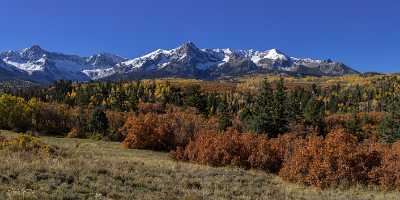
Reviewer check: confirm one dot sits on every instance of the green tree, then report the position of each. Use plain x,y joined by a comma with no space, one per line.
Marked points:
389,128
279,111
194,98
314,115
260,121
294,104
98,123
386,129
353,126
224,122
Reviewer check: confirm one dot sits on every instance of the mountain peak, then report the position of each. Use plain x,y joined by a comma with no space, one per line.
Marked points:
275,54
104,59
277,51
189,49
34,48
33,52
188,45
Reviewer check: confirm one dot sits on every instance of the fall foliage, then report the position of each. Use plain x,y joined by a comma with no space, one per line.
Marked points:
322,132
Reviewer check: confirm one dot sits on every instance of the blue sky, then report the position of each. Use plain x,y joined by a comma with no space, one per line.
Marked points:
365,34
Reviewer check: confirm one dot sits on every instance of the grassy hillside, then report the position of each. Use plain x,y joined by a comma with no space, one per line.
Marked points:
104,170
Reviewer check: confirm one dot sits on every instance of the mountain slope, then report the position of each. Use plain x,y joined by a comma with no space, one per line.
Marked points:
190,61
187,61
44,66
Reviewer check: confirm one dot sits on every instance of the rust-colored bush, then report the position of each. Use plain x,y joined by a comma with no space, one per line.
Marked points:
338,159
163,131
265,155
148,132
387,174
150,108
231,148
287,144
187,124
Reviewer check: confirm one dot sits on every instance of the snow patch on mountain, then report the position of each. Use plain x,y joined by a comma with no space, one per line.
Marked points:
29,67
99,73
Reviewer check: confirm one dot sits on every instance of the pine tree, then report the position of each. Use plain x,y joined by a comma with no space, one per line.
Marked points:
261,120
314,115
279,111
389,128
224,122
98,122
194,98
294,104
353,126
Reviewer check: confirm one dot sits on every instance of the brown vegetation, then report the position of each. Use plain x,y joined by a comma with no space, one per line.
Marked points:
231,148
337,160
28,144
163,131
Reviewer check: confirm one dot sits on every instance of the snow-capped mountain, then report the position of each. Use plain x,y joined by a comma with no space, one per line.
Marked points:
190,61
43,66
187,60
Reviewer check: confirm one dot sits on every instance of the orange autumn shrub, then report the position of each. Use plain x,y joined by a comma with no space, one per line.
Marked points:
150,108
287,144
164,131
372,131
265,155
147,132
387,174
231,148
186,124
337,159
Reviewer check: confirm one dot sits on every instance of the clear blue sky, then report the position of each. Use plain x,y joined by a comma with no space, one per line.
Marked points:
364,34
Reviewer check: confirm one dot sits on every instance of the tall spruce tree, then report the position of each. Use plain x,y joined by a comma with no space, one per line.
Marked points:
261,120
314,115
389,128
279,111
98,122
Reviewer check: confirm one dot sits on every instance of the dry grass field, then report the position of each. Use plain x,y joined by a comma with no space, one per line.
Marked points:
89,169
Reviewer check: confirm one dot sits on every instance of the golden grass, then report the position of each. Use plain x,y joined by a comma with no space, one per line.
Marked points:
104,170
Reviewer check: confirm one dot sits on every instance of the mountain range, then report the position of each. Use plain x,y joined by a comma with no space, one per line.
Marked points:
186,61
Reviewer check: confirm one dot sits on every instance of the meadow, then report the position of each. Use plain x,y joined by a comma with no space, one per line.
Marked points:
88,169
